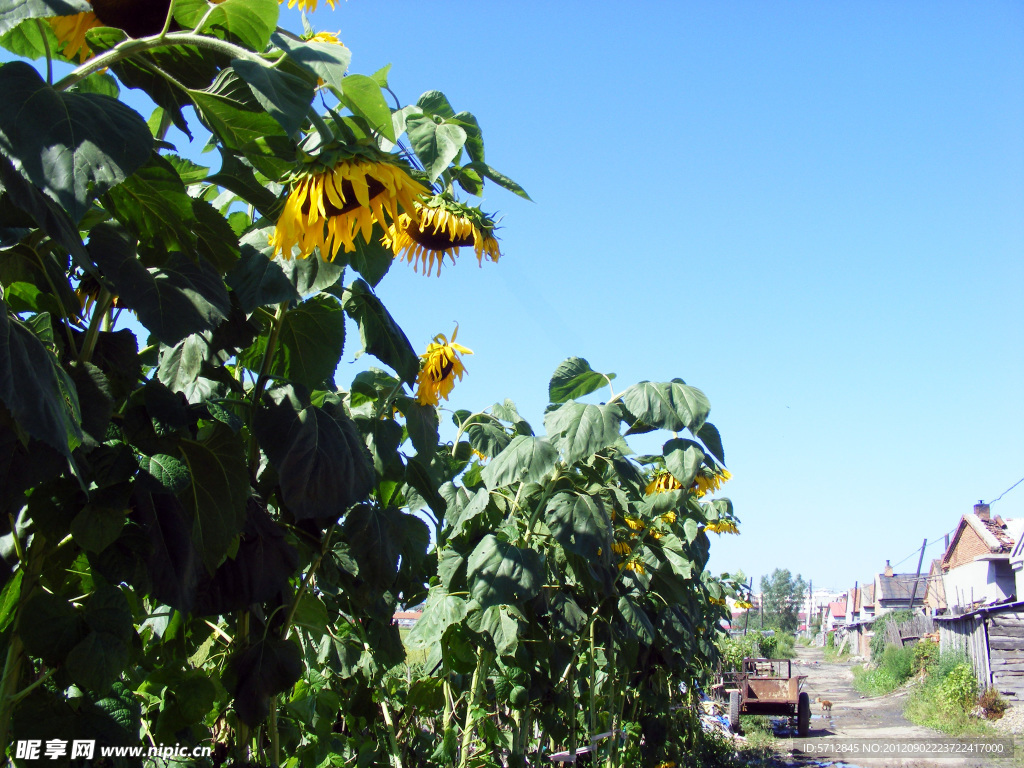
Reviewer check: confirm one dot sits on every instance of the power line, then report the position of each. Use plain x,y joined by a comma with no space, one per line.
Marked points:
936,540
1007,491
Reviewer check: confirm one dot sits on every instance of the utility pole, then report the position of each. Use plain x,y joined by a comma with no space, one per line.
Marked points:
750,594
810,606
913,592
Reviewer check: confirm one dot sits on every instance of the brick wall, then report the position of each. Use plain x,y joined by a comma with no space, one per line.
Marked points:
968,547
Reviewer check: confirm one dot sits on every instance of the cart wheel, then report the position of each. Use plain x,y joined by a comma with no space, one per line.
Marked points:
734,710
803,715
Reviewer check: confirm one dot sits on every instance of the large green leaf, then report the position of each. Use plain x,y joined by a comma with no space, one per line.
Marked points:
382,337
499,626
73,146
153,204
172,301
229,107
257,278
683,459
255,674
463,511
580,430
14,12
436,142
669,405
39,393
217,494
421,424
487,436
441,611
285,97
574,378
498,178
474,136
636,618
525,459
580,524
364,97
502,574
327,61
237,175
250,22
97,661
310,343
50,626
322,465
45,212
708,434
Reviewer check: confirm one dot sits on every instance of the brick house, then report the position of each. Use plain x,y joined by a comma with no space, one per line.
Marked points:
935,594
976,565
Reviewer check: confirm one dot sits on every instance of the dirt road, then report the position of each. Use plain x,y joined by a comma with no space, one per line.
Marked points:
856,717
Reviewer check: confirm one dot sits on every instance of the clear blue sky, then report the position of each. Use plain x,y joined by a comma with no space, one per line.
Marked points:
812,211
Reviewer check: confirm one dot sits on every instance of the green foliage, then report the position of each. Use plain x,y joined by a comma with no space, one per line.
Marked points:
207,534
879,627
892,670
782,595
959,688
945,697
926,653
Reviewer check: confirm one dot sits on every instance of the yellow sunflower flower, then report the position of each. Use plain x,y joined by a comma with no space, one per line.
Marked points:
663,481
441,227
621,548
708,483
716,601
441,365
744,605
635,523
723,526
668,517
326,37
634,565
306,6
327,209
70,32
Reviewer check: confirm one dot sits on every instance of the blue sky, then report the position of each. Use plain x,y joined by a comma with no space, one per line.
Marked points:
812,211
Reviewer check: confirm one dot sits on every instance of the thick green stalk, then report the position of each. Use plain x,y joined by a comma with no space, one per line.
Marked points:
275,737
573,743
593,681
612,679
262,377
483,665
396,755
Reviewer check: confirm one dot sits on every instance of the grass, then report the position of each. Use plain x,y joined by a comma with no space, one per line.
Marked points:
759,747
895,667
929,707
832,654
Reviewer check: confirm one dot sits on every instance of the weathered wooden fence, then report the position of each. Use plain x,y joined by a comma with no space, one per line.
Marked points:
906,631
993,639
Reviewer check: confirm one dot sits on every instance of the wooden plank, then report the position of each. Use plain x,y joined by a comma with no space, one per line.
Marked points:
995,631
1007,653
1007,643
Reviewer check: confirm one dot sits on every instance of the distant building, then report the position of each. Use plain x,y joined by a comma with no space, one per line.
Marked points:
895,591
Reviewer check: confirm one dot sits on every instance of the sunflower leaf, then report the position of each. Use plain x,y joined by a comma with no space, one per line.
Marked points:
683,459
667,405
436,144
580,429
574,378
285,97
525,459
328,61
364,97
73,146
12,14
709,435
381,335
502,574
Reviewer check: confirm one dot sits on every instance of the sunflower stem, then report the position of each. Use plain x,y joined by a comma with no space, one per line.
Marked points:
310,572
106,298
169,19
326,134
49,56
261,379
139,45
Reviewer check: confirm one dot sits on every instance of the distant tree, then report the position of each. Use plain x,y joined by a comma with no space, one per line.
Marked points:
782,595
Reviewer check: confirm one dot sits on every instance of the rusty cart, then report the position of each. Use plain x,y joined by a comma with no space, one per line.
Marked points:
768,687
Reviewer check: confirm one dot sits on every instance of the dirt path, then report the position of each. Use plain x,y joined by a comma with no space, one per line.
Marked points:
854,716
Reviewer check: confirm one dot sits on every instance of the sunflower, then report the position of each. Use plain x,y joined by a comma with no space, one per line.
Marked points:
743,605
328,208
636,565
716,601
306,6
668,517
441,227
635,523
723,526
710,482
441,365
662,482
621,548
326,37
70,32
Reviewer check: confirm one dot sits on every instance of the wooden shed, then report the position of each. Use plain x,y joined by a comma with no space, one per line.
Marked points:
993,638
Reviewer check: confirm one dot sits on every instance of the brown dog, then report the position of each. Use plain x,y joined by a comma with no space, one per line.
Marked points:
826,705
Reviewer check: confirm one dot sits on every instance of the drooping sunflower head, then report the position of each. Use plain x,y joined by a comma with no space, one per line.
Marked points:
306,6
328,207
709,481
635,523
744,605
723,526
663,481
440,227
439,368
70,32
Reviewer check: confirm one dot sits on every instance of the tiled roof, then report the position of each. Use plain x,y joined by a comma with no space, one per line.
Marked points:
837,608
900,586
